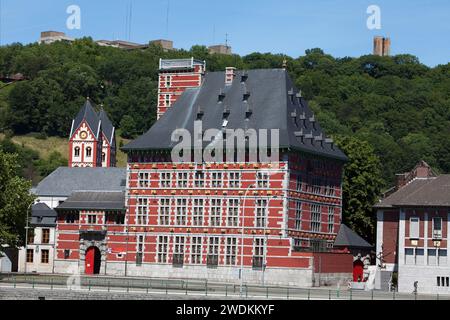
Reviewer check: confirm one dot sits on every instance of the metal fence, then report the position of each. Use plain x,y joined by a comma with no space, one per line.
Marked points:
198,288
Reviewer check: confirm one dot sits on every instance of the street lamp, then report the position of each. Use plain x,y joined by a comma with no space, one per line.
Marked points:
267,240
26,237
242,238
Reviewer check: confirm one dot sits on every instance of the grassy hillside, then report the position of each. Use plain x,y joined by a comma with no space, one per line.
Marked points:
46,146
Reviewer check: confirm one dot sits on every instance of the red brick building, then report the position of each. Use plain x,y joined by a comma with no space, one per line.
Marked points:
211,219
92,141
412,232
175,77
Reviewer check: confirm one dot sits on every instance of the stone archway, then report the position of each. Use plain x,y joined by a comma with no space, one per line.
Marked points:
100,254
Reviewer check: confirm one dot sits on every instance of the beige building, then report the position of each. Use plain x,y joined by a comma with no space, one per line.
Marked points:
220,49
48,37
167,45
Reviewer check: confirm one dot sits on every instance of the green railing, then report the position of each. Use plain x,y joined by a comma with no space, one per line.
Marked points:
198,288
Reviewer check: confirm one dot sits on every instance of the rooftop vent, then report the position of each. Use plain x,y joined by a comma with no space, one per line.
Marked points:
249,112
200,113
246,95
226,111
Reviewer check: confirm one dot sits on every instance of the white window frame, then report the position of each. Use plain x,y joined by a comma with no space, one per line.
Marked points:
162,249
196,250
143,179
216,179
215,212
164,209
233,212
165,179
437,234
316,217
331,216
199,179
142,211
181,212
182,179
298,215
261,213
198,215
414,233
234,179
231,244
262,180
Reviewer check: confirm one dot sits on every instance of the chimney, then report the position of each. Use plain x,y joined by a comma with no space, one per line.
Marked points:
230,74
400,180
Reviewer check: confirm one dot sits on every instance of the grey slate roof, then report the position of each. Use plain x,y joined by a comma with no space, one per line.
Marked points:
95,201
65,181
87,113
43,215
419,193
95,121
350,239
271,91
107,126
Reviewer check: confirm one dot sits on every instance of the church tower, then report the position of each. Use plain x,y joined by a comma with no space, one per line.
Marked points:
92,140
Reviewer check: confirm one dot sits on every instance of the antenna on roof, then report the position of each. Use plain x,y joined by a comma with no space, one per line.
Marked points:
167,19
131,20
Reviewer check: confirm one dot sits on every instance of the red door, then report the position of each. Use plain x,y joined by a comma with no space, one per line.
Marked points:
90,261
358,271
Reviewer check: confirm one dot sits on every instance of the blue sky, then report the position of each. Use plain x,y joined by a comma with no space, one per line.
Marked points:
419,27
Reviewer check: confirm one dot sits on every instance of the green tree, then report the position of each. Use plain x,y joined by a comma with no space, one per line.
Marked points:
361,186
15,200
128,127
54,161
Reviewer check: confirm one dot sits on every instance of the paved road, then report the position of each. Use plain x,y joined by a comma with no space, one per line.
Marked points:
192,289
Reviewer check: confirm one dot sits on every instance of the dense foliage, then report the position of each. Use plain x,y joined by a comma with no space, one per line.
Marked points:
29,164
397,109
15,201
361,186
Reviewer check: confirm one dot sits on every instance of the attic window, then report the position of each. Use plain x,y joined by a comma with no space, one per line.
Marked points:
313,121
291,95
299,97
246,95
221,96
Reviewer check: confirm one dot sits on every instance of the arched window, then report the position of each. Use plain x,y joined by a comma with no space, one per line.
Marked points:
77,152
88,152
103,157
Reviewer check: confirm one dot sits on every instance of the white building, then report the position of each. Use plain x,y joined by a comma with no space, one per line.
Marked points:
39,254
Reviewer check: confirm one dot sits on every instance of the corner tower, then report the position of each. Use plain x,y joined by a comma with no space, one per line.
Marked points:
175,76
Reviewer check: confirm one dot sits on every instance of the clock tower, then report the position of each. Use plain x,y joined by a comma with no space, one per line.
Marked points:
92,139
